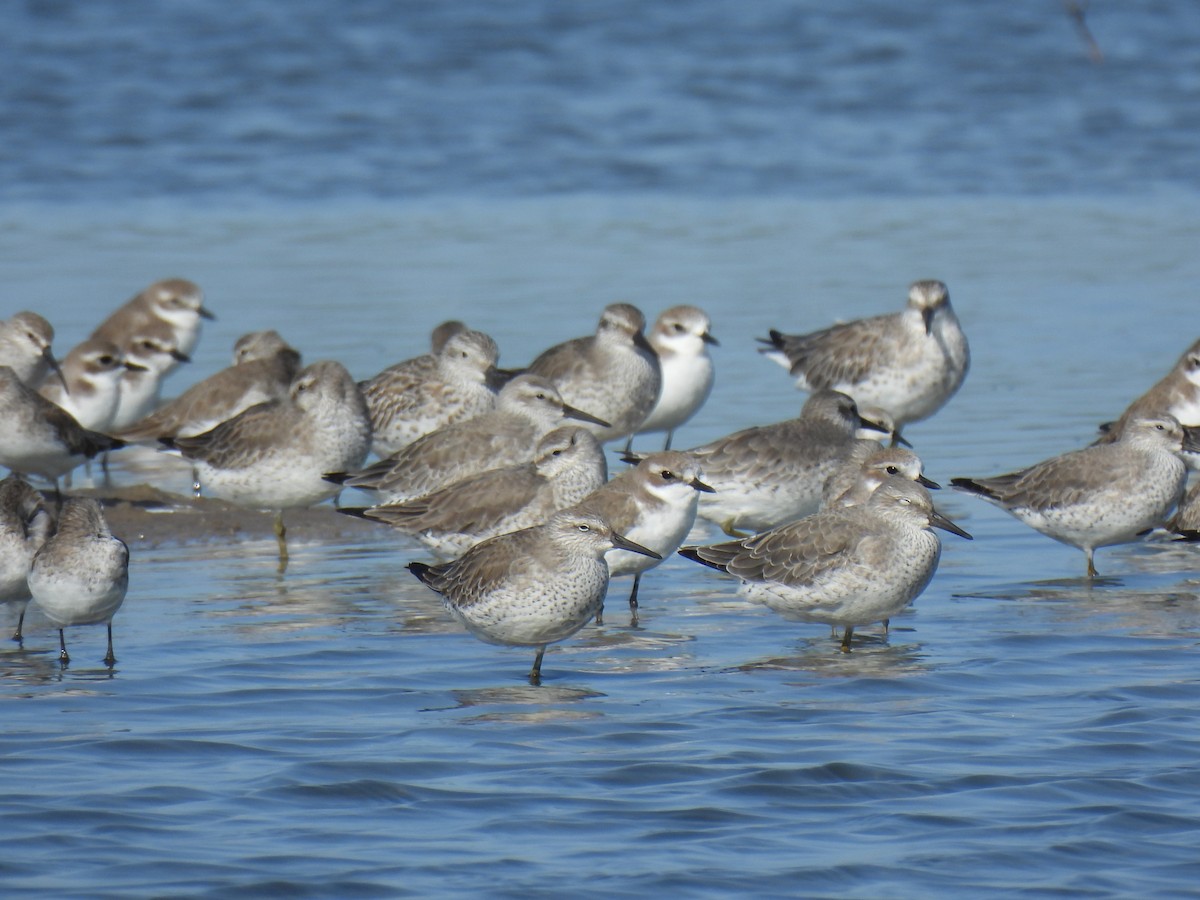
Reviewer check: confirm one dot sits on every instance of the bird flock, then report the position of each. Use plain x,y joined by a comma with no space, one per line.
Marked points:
502,475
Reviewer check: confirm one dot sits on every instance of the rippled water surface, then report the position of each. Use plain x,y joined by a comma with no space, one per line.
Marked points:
332,732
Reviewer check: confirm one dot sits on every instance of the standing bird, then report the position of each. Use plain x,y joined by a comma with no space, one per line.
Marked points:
681,338
907,363
176,303
91,387
532,587
25,348
653,504
846,566
274,455
527,408
408,400
39,437
263,370
569,465
769,474
81,574
1102,495
25,523
614,374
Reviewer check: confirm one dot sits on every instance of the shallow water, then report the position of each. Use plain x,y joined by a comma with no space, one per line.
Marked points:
333,732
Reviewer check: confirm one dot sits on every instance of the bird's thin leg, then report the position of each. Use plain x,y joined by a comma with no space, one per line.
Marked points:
281,539
63,656
109,659
535,674
846,635
1092,573
17,636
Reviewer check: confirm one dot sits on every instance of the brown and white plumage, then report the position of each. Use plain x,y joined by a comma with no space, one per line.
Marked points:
654,504
845,566
908,363
91,386
1101,495
527,408
264,368
866,467
1175,394
174,302
568,466
411,399
532,587
680,337
614,374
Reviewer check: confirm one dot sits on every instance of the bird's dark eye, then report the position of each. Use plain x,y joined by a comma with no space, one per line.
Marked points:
556,453
1160,427
668,475
679,328
584,528
106,360
893,470
541,396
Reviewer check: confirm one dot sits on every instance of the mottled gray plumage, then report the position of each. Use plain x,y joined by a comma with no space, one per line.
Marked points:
81,573
1101,495
25,348
411,399
569,465
175,302
769,474
527,408
845,566
1176,394
908,363
25,523
613,374
532,587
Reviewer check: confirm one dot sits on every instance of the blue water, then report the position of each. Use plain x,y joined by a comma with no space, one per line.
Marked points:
353,175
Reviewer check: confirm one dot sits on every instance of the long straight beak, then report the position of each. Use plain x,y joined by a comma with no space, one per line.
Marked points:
620,542
206,313
927,317
701,486
929,483
937,520
571,412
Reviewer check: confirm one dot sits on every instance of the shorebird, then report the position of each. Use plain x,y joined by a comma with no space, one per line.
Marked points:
91,386
908,363
765,475
569,465
527,408
263,370
274,455
39,437
681,339
614,374
532,587
1102,495
176,303
25,347
25,523
846,566
653,504
410,399
81,574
